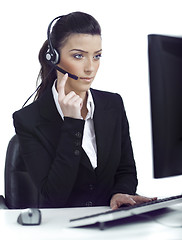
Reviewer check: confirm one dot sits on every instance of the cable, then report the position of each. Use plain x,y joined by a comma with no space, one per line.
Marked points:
37,87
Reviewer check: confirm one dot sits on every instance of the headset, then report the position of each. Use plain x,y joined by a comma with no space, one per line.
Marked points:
53,58
52,55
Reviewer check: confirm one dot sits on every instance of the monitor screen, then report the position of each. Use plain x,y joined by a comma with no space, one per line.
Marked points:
165,78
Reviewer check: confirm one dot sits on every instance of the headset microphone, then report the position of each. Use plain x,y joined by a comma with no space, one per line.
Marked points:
62,70
52,55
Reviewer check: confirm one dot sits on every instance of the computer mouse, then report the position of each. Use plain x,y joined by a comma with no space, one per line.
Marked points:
30,216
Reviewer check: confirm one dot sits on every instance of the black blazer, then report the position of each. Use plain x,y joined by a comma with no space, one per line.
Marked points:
59,167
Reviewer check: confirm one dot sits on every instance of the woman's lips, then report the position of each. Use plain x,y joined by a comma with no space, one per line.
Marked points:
87,79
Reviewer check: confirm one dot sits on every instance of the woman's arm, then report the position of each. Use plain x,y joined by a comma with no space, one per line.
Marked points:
53,171
126,175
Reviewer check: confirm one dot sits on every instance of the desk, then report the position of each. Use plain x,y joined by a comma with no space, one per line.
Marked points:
54,226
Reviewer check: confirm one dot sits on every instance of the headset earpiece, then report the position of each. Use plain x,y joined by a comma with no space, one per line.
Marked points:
52,56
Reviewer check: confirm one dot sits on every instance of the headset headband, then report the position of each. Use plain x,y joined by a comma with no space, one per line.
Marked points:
51,48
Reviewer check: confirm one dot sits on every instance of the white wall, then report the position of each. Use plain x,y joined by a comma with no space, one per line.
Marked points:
124,69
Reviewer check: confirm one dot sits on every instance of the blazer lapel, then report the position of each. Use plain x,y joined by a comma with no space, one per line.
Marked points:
104,121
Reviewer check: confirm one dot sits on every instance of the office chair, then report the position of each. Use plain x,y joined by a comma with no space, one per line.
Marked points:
19,189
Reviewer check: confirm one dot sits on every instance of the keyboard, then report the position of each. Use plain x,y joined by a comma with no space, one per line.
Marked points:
126,211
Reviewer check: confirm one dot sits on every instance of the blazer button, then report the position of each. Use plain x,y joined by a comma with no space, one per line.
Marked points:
78,134
89,204
77,152
77,143
91,187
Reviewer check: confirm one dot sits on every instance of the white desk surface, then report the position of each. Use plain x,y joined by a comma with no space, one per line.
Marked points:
54,226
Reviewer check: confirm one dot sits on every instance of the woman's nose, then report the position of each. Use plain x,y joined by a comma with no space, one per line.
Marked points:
89,65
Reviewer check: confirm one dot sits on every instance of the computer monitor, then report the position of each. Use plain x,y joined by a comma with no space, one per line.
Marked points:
165,78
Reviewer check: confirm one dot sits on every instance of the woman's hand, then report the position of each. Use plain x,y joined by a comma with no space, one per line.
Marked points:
71,104
119,199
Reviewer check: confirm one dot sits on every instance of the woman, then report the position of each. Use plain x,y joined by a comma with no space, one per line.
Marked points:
75,140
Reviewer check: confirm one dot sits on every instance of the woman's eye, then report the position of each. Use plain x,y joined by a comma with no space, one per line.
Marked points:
98,56
78,56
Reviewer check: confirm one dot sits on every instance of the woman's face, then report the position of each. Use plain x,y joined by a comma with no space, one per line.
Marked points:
81,56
